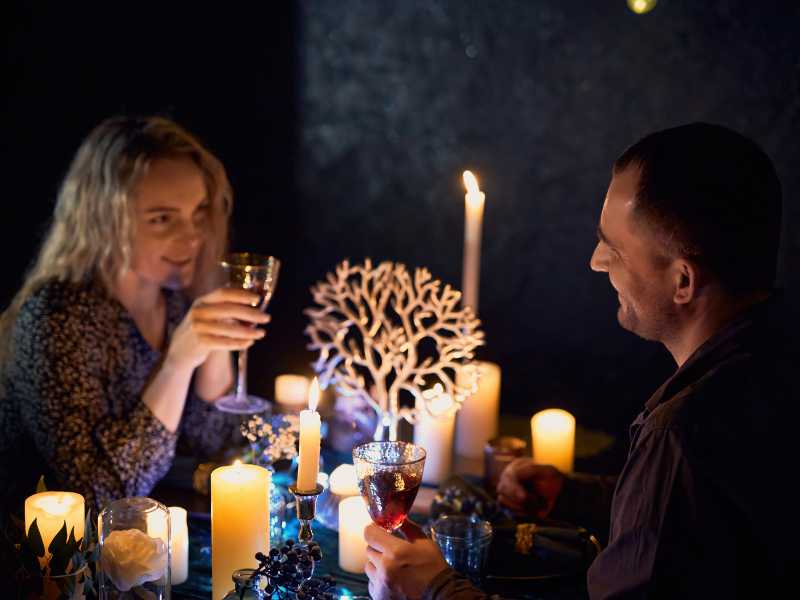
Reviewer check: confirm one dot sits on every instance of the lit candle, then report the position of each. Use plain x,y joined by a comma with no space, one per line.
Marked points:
179,559
239,521
553,435
343,481
434,432
291,391
477,420
473,219
353,518
51,510
309,442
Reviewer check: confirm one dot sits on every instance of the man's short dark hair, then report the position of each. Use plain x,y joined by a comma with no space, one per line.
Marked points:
713,196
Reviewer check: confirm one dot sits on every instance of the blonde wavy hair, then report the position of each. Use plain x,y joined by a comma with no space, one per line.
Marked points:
92,228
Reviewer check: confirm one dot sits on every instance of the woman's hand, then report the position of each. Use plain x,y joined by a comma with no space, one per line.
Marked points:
221,320
530,488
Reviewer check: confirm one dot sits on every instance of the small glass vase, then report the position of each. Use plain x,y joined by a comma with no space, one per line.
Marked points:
134,542
246,587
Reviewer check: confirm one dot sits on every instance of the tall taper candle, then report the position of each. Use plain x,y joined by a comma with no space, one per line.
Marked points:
310,425
473,219
239,521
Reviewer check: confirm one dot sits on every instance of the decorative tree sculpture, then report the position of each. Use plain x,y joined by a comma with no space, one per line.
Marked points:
385,336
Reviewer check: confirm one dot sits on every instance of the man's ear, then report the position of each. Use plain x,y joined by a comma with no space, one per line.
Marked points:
686,277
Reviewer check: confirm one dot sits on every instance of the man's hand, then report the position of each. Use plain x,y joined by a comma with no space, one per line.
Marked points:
526,487
400,569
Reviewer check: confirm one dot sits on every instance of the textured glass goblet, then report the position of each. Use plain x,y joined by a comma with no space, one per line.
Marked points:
255,273
389,476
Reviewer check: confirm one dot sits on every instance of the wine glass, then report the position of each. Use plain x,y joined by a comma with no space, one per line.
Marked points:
255,273
389,476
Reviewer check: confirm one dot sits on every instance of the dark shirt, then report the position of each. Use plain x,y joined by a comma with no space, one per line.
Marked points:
703,507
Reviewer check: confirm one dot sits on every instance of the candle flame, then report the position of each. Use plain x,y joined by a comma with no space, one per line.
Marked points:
471,183
237,463
313,395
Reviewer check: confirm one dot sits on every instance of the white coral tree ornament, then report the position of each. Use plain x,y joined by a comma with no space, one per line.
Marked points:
384,336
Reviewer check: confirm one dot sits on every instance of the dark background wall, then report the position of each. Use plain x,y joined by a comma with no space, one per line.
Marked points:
345,126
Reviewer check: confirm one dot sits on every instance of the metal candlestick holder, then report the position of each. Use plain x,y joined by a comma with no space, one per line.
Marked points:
306,505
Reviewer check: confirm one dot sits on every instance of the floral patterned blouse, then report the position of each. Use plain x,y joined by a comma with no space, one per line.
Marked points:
72,408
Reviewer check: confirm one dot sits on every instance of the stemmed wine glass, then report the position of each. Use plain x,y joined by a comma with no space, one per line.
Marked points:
255,273
389,476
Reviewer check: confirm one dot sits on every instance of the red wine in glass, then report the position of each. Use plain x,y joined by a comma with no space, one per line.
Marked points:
389,476
389,495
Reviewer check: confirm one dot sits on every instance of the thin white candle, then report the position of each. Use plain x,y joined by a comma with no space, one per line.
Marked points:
353,518
477,421
434,431
239,521
553,436
291,390
473,220
179,565
51,510
310,425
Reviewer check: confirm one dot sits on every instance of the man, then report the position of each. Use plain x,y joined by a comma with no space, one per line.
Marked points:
688,237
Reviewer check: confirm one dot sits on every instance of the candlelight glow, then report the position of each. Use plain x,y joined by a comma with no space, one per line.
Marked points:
237,463
439,403
471,182
313,395
641,6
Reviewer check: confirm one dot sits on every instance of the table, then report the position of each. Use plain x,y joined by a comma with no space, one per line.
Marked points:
198,585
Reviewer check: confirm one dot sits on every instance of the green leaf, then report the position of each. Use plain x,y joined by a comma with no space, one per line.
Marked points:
61,552
28,559
88,531
41,487
35,539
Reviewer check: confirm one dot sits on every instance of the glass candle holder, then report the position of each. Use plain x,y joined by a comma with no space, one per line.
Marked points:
497,455
134,540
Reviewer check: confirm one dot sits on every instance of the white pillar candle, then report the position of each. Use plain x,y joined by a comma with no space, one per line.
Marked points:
291,390
239,521
473,220
553,436
309,442
477,420
344,481
179,559
51,510
353,518
434,431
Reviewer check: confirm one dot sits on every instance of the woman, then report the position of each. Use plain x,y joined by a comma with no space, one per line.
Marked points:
101,347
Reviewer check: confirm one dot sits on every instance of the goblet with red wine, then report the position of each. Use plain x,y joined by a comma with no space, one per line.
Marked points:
389,476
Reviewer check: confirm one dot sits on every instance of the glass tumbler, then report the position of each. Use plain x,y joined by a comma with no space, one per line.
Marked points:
464,542
134,541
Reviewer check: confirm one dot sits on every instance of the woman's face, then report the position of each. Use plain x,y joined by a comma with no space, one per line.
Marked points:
171,210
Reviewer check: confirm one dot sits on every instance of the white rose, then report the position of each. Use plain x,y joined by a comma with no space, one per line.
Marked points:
130,558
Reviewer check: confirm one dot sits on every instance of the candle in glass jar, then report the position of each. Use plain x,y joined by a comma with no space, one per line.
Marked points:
239,521
553,436
477,420
473,220
434,431
353,518
310,425
51,510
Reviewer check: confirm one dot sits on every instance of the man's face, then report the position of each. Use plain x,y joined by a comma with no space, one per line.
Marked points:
171,212
635,262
